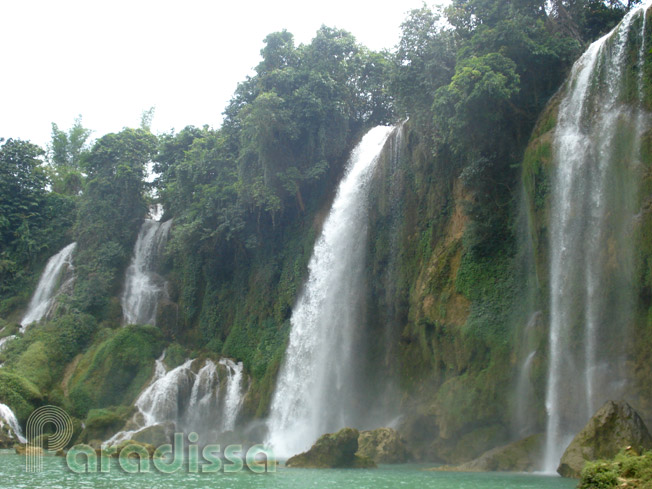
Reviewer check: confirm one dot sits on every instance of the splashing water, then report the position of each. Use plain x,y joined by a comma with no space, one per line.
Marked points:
596,150
315,387
144,288
55,278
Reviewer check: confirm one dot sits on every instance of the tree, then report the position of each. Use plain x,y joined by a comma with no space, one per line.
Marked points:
33,222
66,148
111,210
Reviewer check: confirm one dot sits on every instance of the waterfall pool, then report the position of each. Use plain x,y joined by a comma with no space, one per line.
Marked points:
55,474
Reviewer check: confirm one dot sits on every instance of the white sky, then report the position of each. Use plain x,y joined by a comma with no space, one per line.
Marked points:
111,60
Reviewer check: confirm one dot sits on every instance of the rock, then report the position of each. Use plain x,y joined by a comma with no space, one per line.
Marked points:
336,450
23,449
615,426
471,445
7,440
421,433
520,456
114,451
383,446
157,435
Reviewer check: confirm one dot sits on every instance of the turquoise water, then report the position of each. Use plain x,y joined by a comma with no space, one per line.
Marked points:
56,475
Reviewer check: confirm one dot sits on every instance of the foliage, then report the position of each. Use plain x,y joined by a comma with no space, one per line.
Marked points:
21,395
114,369
111,210
67,148
628,468
46,348
34,223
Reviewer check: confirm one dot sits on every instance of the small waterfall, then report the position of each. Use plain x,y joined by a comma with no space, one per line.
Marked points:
5,340
233,397
596,153
8,420
198,402
144,288
315,389
56,277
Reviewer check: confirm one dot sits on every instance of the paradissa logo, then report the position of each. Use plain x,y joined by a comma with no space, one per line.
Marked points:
169,459
43,416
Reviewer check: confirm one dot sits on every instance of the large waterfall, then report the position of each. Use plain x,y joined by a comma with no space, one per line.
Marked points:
593,196
315,389
205,400
56,277
143,287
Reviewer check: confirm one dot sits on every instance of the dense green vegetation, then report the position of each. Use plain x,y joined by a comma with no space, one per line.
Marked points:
628,469
248,200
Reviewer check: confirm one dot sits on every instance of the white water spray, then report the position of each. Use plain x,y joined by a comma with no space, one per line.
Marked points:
589,245
56,276
144,288
315,385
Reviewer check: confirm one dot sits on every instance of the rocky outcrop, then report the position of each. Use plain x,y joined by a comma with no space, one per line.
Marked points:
614,427
337,450
383,446
157,435
520,456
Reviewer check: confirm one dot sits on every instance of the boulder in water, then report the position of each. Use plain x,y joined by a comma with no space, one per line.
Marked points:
26,449
337,450
614,427
383,446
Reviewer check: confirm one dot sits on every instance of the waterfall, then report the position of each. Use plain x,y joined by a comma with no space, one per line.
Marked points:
8,420
233,397
5,340
144,288
315,389
596,152
190,399
56,277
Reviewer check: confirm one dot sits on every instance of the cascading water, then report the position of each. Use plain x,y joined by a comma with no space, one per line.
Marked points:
56,277
198,402
596,152
144,288
315,388
233,393
8,420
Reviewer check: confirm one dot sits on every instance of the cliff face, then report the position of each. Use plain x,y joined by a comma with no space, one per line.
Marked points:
443,320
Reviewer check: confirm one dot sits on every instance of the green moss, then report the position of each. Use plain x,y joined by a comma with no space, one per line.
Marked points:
115,369
100,424
175,355
21,395
33,364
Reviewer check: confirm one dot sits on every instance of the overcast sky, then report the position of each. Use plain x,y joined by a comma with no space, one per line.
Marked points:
111,60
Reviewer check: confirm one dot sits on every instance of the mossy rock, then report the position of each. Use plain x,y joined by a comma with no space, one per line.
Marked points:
115,369
129,445
21,395
337,450
383,446
614,427
156,435
101,424
520,456
473,444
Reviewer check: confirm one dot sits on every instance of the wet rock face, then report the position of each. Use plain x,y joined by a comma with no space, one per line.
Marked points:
337,450
383,446
615,426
